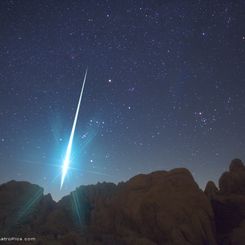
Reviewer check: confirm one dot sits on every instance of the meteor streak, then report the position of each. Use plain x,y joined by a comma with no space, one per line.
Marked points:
66,162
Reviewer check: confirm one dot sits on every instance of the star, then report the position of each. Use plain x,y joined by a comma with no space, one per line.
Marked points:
132,89
84,135
152,97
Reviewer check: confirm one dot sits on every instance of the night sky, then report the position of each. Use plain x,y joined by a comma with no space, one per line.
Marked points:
165,89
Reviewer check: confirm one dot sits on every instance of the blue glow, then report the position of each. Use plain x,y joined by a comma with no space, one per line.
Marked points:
66,162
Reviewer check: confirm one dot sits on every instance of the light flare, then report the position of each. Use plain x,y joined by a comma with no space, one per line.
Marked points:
66,162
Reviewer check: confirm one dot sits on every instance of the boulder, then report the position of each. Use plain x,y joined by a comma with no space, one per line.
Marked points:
161,207
229,204
237,237
18,206
164,207
233,181
211,190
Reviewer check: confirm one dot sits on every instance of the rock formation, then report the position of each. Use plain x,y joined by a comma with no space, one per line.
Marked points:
163,207
159,208
229,204
211,190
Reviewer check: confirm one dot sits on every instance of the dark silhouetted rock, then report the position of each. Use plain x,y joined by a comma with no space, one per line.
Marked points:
236,165
18,205
233,182
229,204
162,207
237,237
211,190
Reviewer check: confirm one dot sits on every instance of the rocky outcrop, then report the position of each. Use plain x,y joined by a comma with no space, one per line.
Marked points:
229,204
158,208
237,236
233,181
23,208
211,190
163,207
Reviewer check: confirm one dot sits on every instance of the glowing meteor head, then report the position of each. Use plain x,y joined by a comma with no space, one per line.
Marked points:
66,162
64,171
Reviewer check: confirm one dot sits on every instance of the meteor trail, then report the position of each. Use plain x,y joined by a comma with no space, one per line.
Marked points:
69,146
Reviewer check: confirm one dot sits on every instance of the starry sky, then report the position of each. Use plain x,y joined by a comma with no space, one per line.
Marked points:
165,89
